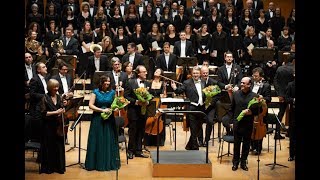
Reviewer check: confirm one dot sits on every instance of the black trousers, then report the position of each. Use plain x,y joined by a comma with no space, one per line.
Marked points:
195,123
292,133
245,138
136,134
209,119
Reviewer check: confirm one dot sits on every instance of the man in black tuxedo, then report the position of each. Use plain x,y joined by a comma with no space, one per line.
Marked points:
29,73
211,110
193,90
263,89
66,87
183,48
75,7
167,61
38,88
117,77
70,44
231,75
243,128
97,62
137,121
238,6
132,56
65,80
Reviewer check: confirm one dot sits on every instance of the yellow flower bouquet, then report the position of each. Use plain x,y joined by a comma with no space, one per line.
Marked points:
210,92
118,103
144,96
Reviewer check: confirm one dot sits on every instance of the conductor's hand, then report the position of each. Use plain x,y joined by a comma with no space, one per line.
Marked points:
173,85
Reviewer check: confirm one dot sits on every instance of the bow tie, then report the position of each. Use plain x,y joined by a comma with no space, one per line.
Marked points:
198,81
141,82
174,10
229,66
257,83
121,4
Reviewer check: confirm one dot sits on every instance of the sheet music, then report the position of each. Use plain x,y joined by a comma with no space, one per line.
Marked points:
140,48
120,48
203,46
155,45
84,49
171,48
168,100
250,47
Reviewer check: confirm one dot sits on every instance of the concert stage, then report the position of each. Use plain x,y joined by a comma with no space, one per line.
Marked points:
191,163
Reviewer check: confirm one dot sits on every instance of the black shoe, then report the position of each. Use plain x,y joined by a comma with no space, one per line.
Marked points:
244,167
205,144
278,136
141,155
234,167
290,158
130,155
201,144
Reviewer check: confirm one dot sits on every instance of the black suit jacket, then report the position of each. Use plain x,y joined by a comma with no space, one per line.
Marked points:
161,62
37,92
189,88
123,77
223,75
134,111
238,7
69,82
137,59
265,91
105,65
283,76
72,48
188,50
240,102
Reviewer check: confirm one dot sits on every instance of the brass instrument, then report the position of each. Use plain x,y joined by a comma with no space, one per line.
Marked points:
57,43
32,46
92,46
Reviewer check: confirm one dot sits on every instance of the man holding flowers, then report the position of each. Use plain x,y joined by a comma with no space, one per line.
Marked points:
136,91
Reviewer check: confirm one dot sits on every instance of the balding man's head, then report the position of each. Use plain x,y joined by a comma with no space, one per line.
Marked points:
245,84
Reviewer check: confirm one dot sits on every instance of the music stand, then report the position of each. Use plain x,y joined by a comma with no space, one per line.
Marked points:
262,54
170,75
151,112
275,146
96,77
77,102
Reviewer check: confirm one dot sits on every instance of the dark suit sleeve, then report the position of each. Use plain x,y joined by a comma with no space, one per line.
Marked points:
128,90
267,93
34,89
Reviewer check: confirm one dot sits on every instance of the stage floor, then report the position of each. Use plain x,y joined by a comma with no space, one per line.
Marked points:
141,168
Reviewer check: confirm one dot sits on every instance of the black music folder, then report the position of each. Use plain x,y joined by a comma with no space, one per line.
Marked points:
187,61
262,54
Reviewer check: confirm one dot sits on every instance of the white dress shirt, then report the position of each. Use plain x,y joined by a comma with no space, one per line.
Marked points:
183,48
229,67
97,63
64,83
29,71
166,57
131,58
44,83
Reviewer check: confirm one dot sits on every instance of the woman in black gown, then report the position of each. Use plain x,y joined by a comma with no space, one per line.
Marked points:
52,151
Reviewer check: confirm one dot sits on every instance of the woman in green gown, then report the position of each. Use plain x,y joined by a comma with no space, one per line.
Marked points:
103,148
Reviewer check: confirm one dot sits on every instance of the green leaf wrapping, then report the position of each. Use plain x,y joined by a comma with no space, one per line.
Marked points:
253,101
118,102
210,92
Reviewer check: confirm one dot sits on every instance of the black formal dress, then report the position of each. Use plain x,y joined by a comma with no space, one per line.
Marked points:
52,151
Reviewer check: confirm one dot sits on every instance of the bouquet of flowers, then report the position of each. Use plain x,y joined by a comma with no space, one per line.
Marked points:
209,92
143,95
118,103
253,104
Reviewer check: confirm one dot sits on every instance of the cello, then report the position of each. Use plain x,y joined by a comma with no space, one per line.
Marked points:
259,127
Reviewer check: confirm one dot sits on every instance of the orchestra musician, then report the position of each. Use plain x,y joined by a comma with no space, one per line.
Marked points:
137,121
66,82
211,110
97,62
242,129
263,89
229,74
70,44
166,60
193,90
132,56
117,77
52,151
183,48
157,90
